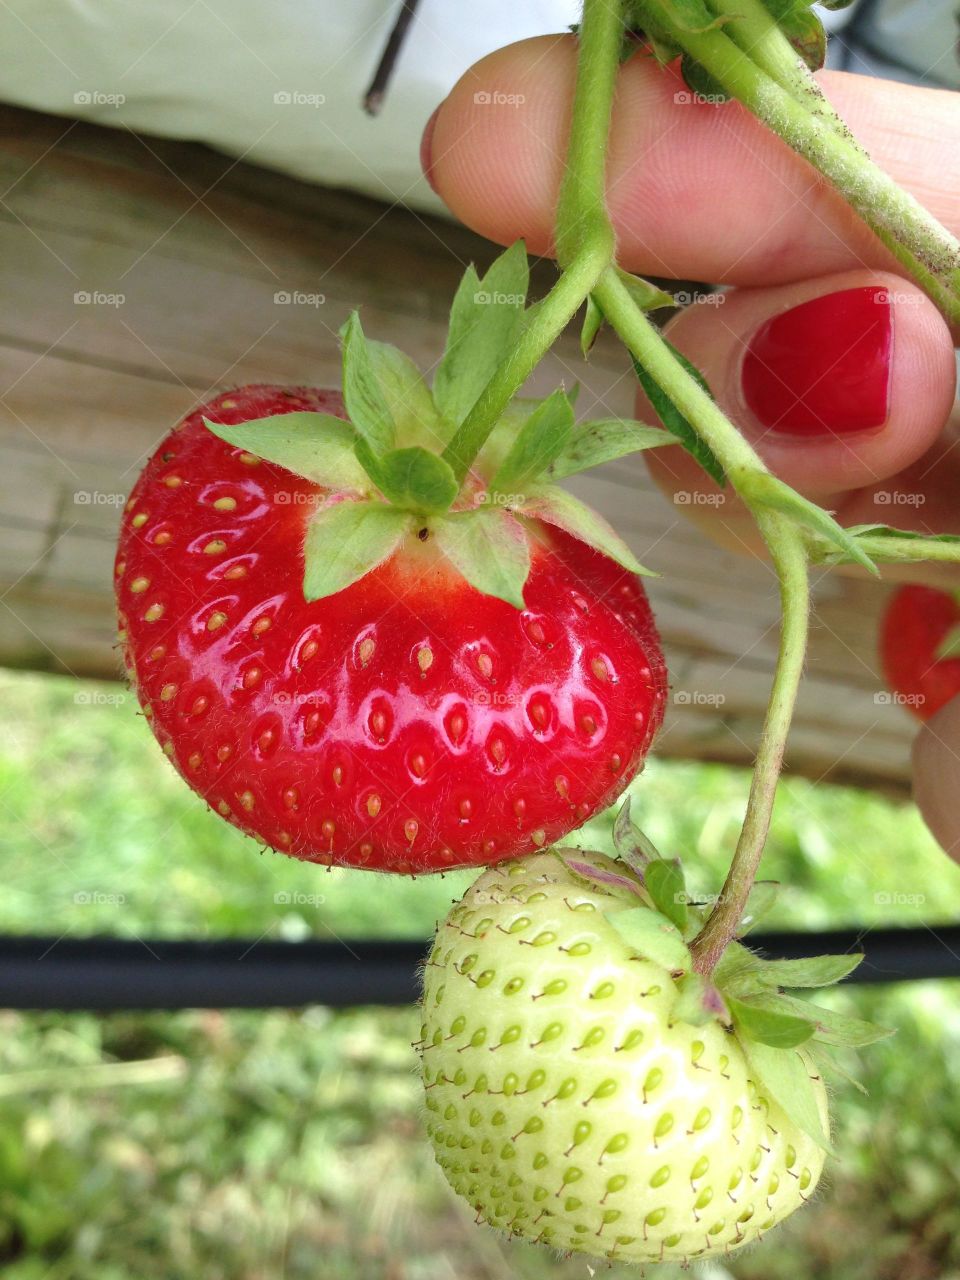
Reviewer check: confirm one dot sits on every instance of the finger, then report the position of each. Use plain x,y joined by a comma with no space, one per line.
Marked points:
839,383
936,776
496,151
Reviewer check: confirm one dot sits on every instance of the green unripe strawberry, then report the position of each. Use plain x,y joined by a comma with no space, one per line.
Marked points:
570,1106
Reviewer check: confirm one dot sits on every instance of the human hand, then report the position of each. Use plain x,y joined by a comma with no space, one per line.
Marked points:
839,371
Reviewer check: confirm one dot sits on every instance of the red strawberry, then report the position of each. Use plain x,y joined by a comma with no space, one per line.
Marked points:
915,632
407,722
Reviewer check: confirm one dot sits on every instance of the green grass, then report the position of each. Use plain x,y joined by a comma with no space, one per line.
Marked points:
100,835
288,1145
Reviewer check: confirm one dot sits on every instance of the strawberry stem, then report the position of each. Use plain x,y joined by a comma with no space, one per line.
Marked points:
585,240
788,551
789,556
645,343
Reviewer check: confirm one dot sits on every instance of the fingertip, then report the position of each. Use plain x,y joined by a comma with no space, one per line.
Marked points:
498,141
426,147
936,776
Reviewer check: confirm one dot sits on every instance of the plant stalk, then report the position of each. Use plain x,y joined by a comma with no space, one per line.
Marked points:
910,549
584,235
789,557
543,324
788,552
643,341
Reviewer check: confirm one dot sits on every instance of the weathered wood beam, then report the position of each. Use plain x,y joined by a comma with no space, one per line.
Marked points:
139,275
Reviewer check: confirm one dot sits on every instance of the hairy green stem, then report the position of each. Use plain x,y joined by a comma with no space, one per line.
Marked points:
790,560
585,240
643,341
758,34
866,188
788,551
582,217
911,549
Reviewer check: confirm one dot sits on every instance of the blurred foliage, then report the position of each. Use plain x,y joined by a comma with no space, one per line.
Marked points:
288,1146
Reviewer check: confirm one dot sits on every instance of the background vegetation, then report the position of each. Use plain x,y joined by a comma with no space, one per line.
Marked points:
288,1146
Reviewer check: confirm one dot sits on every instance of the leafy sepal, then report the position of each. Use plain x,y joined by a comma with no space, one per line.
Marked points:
345,540
632,845
490,548
557,507
653,937
317,446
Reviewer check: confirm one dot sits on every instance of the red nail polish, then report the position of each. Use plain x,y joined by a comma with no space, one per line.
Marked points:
823,368
426,148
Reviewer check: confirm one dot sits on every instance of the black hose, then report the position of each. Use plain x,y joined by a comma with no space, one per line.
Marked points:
104,973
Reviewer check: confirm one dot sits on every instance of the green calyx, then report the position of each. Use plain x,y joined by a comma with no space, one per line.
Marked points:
756,999
665,22
386,470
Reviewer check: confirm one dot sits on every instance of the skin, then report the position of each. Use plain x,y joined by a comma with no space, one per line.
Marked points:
672,166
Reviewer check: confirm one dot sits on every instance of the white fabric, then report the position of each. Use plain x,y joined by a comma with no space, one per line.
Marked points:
217,71
279,82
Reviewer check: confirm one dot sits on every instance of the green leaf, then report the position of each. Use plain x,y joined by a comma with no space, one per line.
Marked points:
805,32
539,441
760,1020
317,446
736,971
762,896
668,889
603,440
345,540
949,646
484,320
635,848
644,295
505,431
490,548
675,422
362,393
785,1076
697,1002
407,397
835,1028
763,489
555,506
412,478
826,1061
817,971
592,323
652,936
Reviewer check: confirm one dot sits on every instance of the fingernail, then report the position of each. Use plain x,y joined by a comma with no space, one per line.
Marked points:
823,368
426,148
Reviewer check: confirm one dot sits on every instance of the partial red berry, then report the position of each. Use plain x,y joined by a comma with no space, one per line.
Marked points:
917,623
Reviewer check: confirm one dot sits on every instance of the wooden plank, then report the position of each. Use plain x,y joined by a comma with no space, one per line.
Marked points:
183,254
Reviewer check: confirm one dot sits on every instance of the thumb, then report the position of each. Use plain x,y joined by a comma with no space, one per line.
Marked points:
936,776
